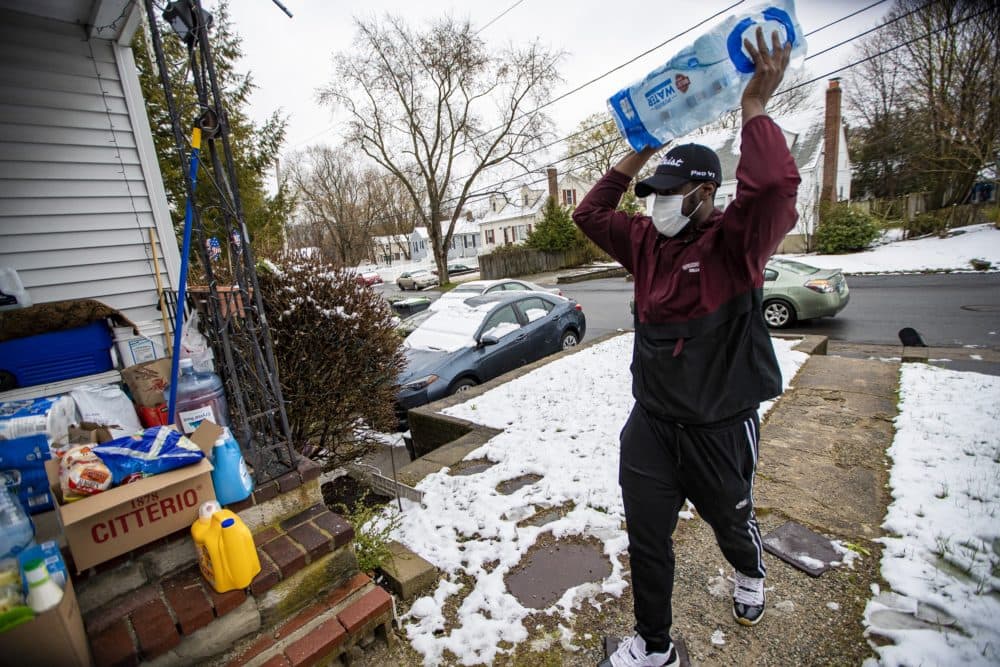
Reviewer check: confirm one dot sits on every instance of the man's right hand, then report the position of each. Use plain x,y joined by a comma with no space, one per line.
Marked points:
769,70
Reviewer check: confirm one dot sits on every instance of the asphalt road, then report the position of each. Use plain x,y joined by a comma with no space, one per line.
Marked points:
948,310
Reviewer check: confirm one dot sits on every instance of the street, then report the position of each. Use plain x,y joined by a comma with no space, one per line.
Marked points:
949,310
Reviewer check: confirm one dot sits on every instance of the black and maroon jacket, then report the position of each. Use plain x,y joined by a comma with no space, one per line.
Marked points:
702,350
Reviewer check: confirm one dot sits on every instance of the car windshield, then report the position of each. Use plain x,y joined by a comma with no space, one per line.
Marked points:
797,267
475,288
449,330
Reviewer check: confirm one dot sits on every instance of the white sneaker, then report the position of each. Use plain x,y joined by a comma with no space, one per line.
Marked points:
632,653
748,599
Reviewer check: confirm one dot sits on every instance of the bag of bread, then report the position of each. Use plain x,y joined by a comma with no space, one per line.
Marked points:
82,473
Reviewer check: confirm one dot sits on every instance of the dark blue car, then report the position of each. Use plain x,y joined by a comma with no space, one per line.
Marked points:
469,342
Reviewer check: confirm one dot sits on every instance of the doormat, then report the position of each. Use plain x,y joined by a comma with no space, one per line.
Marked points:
802,548
611,645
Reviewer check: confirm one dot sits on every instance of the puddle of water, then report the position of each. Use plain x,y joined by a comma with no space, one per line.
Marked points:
551,569
509,486
473,467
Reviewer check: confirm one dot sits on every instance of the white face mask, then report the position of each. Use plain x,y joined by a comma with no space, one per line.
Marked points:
667,216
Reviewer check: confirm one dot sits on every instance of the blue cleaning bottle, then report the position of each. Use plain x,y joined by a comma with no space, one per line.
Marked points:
702,81
230,476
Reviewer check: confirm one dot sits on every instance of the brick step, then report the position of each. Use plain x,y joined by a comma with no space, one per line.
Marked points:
156,617
341,623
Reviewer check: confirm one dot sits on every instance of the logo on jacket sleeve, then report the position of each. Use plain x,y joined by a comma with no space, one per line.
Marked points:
691,267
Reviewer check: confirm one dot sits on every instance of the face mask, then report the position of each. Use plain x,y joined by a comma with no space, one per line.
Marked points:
667,216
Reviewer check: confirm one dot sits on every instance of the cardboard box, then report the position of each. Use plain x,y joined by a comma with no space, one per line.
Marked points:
56,638
88,433
147,381
126,517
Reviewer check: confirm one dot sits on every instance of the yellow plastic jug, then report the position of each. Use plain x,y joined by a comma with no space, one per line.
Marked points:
227,555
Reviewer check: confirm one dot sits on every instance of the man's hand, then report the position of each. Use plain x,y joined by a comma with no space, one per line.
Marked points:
769,70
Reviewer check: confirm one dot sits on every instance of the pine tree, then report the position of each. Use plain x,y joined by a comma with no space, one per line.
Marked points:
556,230
255,147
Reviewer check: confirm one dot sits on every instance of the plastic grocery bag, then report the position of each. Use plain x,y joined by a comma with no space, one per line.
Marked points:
702,81
107,405
151,452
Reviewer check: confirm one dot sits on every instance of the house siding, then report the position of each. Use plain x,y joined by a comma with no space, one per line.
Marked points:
80,187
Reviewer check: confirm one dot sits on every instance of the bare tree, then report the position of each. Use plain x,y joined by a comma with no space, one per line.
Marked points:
595,147
792,97
436,108
944,87
337,200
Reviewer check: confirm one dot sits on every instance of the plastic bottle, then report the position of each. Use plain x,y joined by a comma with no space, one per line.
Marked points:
703,81
200,396
17,533
230,475
227,554
43,592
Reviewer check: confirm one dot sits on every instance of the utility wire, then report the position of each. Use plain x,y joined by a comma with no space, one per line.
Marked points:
499,16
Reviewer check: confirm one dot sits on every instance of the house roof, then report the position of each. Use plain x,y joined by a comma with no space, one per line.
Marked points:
106,19
804,130
514,208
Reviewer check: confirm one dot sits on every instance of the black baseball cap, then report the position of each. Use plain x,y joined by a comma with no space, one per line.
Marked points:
690,162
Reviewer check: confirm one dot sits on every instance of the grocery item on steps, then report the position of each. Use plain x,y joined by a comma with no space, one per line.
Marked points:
227,554
230,475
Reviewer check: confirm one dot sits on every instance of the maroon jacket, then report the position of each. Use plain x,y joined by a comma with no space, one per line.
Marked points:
702,350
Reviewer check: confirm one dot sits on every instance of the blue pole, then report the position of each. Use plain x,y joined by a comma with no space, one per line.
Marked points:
182,287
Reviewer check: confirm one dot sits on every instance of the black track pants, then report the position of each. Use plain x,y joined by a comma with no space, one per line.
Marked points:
664,463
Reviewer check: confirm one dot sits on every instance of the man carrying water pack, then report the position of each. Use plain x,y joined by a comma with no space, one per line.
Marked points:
702,360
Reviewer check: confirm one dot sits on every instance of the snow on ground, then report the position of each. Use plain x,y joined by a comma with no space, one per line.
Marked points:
942,558
930,254
560,422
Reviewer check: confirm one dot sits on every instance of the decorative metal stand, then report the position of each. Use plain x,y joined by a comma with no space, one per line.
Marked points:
236,326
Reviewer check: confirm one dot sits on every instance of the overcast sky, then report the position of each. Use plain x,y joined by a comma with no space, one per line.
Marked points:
291,58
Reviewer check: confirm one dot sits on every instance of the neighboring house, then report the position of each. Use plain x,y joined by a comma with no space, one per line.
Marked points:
80,188
806,138
508,221
465,240
390,248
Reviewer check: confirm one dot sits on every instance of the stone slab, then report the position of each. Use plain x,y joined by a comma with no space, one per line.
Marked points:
416,471
282,506
213,639
844,374
102,588
801,548
295,592
407,574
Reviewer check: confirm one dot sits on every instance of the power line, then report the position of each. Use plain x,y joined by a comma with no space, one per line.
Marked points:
499,16
844,18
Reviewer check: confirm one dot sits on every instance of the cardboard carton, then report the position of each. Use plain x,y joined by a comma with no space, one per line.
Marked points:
88,433
56,638
147,381
126,517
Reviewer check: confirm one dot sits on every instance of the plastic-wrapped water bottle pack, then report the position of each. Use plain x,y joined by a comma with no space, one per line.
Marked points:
704,80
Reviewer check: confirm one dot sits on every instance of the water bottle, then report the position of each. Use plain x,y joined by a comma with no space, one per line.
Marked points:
200,396
230,475
17,533
704,80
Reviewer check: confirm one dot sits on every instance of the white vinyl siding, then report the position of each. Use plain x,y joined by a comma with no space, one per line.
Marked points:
79,184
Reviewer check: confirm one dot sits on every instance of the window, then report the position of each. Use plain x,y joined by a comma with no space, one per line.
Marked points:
770,275
569,197
489,237
514,287
535,308
501,323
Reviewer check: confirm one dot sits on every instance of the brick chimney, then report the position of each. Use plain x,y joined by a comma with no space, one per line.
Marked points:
553,183
831,142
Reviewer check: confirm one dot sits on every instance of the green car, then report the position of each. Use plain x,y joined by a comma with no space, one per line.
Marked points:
795,291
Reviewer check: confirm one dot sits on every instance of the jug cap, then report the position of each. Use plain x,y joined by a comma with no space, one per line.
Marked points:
207,509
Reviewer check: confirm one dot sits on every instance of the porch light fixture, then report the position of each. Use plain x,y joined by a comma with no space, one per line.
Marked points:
180,15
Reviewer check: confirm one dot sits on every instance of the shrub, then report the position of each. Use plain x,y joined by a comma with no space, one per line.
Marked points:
373,526
338,357
555,231
843,229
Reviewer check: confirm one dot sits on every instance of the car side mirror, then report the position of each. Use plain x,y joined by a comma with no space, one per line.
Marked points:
488,340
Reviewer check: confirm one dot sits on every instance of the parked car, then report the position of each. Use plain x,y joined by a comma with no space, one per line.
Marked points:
409,324
419,279
368,278
480,338
475,287
794,291
458,269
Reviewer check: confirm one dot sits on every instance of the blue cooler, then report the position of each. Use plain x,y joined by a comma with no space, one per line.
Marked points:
59,355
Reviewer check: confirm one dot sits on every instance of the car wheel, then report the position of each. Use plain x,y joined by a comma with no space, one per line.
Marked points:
569,339
463,385
778,314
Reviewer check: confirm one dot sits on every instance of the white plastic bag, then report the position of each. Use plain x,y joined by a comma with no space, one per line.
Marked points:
194,346
107,405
